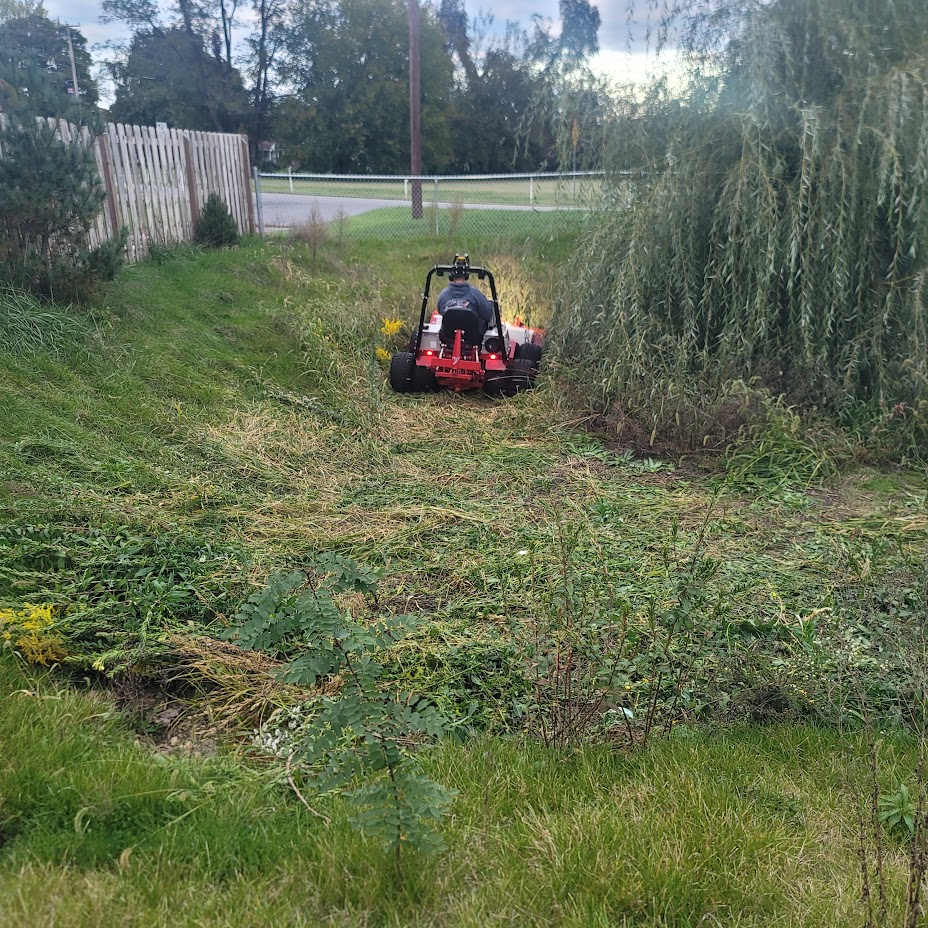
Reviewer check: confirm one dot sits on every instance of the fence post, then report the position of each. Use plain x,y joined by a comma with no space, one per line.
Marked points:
258,201
531,191
246,183
105,160
290,175
435,202
191,185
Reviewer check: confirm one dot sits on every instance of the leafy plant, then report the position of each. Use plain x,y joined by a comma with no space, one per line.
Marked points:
599,652
118,591
216,227
574,648
361,729
897,811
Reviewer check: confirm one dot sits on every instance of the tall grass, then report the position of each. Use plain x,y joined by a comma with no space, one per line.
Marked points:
779,234
28,326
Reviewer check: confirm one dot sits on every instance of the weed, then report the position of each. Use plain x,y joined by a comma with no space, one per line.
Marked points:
340,224
455,215
362,731
30,629
598,651
313,231
574,647
28,326
897,811
115,591
778,450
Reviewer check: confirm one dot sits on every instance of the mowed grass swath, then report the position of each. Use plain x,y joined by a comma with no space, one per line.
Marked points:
224,417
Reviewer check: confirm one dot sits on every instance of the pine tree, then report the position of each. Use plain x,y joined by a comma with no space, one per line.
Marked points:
216,228
50,195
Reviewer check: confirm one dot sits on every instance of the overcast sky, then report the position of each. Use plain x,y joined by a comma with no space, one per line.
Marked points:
613,37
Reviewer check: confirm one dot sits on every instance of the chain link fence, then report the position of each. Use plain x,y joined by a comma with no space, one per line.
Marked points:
452,207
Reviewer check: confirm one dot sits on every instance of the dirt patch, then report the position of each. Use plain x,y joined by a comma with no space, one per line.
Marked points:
213,692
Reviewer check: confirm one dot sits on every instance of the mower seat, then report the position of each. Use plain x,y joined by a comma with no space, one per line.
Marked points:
470,324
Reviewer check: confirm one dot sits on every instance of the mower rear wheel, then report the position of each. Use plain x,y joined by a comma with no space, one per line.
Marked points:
529,352
402,368
520,375
494,383
423,379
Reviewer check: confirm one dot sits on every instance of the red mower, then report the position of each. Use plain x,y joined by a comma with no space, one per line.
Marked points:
458,352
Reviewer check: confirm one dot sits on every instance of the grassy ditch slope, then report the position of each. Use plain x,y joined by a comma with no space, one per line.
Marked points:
719,656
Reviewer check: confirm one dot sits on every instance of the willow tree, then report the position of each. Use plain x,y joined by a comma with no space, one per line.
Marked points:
778,237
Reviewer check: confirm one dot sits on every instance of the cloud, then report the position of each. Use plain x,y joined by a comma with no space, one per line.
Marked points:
617,33
86,15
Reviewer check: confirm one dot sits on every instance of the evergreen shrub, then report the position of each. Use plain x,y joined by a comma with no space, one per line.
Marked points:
216,227
50,195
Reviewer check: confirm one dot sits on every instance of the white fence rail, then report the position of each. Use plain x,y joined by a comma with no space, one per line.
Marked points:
157,181
436,206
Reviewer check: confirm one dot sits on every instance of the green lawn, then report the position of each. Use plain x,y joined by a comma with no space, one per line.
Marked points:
221,415
741,827
548,192
465,228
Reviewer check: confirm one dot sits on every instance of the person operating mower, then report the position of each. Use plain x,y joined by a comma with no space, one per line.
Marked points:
459,294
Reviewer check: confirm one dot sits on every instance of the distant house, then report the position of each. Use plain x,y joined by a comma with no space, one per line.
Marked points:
269,152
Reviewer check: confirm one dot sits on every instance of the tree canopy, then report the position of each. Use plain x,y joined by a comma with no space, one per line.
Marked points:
329,79
350,113
10,9
169,77
35,66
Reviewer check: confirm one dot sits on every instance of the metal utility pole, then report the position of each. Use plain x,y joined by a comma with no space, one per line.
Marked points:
575,137
77,90
415,124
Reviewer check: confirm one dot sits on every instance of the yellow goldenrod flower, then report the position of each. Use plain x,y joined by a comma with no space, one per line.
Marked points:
29,629
390,327
382,354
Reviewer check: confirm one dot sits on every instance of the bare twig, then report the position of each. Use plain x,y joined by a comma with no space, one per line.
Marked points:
300,796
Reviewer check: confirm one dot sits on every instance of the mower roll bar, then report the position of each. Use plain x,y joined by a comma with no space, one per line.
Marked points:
441,270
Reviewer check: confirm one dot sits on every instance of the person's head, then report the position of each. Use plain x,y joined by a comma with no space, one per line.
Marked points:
459,269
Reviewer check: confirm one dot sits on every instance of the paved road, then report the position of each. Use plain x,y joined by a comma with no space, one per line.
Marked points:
284,210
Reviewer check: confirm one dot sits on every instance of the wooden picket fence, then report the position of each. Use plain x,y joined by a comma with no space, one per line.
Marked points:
157,181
